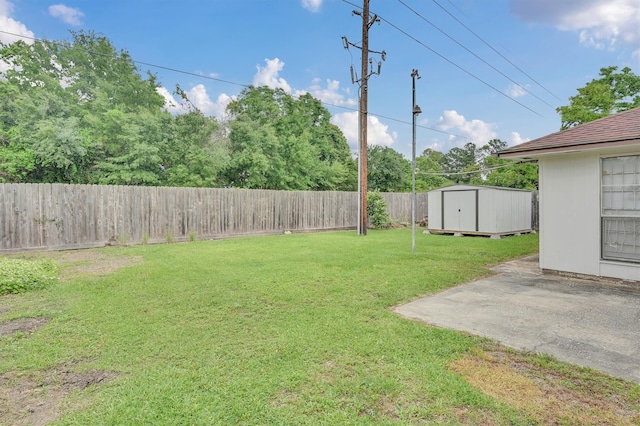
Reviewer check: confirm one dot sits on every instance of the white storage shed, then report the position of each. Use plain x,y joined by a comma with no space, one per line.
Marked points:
479,210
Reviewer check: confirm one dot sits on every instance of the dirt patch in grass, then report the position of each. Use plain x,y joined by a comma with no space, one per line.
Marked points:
39,400
22,325
550,396
85,263
93,263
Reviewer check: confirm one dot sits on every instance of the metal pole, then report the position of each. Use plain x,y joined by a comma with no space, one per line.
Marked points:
359,227
415,110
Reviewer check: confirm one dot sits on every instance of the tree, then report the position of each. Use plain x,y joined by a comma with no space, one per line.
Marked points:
460,160
77,112
502,172
388,170
280,142
429,171
80,112
194,152
518,175
612,92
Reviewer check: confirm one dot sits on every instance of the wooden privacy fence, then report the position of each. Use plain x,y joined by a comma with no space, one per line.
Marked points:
60,216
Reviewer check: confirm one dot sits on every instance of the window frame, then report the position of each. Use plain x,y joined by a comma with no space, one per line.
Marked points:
622,215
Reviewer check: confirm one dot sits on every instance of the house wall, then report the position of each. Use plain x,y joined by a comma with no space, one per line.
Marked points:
570,215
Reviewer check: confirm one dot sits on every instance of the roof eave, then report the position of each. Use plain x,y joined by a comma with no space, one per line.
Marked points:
528,152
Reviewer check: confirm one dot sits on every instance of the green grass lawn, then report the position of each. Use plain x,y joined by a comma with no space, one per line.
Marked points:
288,329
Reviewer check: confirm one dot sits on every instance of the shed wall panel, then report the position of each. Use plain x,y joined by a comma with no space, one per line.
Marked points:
434,209
487,210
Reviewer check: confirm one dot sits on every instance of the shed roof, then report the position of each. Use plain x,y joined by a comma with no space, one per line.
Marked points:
464,187
619,129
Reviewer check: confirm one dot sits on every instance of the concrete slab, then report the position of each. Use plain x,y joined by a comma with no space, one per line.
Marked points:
592,323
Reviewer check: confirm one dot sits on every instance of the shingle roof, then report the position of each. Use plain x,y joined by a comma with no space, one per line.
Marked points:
619,129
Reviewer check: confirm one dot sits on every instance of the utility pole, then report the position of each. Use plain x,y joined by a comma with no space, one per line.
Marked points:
366,71
415,110
362,116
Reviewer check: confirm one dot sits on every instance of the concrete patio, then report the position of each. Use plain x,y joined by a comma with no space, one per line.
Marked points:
592,323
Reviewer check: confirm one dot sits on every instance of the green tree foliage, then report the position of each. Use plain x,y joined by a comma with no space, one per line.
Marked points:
518,175
80,112
194,151
612,92
429,171
377,211
479,166
501,172
387,170
461,161
280,142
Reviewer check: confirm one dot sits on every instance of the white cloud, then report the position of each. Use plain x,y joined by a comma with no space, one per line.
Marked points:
10,25
170,103
69,15
516,90
348,123
516,139
476,131
312,5
377,132
269,75
331,94
600,23
199,98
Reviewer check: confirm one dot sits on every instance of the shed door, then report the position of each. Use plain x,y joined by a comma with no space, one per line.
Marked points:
459,210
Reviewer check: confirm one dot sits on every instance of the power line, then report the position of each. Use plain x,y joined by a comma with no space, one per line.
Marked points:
469,172
495,50
474,54
227,82
451,62
457,8
93,52
397,120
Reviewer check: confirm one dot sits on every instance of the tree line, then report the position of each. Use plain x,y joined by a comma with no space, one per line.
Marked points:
81,112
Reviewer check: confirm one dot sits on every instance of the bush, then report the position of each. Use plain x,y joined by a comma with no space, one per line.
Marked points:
377,211
20,275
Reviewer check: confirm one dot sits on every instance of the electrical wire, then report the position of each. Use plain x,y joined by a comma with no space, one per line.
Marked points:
449,60
474,54
452,173
492,48
148,64
397,120
231,82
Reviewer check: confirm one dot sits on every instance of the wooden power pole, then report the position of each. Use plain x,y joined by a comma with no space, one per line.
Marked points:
365,73
362,117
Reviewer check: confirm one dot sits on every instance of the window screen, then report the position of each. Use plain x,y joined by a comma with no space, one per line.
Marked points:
621,208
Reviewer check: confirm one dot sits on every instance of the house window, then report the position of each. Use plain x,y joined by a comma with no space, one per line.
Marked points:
620,211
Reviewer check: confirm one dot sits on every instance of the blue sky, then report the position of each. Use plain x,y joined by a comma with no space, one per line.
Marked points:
560,45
